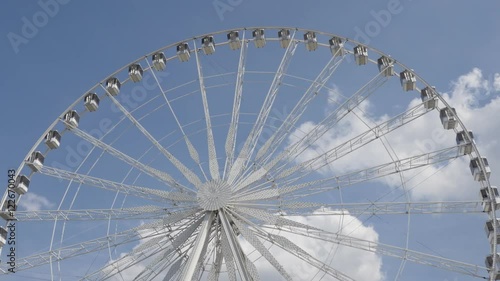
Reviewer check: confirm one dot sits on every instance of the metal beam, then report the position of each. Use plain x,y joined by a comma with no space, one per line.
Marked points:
235,248
199,247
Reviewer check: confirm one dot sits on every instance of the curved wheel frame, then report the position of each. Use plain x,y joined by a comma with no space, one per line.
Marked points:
226,219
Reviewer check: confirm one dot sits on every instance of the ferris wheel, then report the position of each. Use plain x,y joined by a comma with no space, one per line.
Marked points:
266,153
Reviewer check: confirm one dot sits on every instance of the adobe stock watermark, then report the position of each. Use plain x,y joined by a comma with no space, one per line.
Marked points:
32,25
130,100
223,6
381,20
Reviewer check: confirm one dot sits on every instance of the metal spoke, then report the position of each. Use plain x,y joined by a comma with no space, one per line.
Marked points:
162,176
174,269
254,134
269,218
257,244
230,144
388,250
336,115
212,154
192,151
196,256
297,251
354,143
142,212
378,208
188,174
157,266
176,243
393,251
215,270
235,250
252,269
112,269
124,237
171,243
319,130
144,192
129,260
291,119
228,257
175,264
352,178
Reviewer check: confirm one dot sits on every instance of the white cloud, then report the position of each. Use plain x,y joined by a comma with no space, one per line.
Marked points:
496,82
358,264
34,202
334,95
471,95
134,270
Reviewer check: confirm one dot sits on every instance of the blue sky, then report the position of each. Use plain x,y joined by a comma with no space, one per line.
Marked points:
84,41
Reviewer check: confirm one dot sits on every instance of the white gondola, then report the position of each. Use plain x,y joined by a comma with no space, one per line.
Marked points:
233,38
361,54
21,184
429,98
408,80
159,61
464,143
3,236
488,228
91,101
208,45
53,139
72,119
336,46
183,52
448,119
284,37
477,171
494,274
311,41
35,161
113,86
8,209
386,66
258,38
135,72
488,199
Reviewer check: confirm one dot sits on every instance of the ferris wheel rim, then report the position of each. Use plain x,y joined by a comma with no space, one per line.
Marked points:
172,45
196,50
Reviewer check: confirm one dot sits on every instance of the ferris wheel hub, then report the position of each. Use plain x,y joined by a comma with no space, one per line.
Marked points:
214,195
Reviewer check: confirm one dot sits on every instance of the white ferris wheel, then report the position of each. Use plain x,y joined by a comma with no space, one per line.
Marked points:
266,153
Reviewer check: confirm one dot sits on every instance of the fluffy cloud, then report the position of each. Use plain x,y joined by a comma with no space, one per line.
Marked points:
496,82
357,264
127,271
34,202
475,100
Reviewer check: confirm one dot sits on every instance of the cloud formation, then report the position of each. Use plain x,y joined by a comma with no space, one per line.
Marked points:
477,103
34,202
358,264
